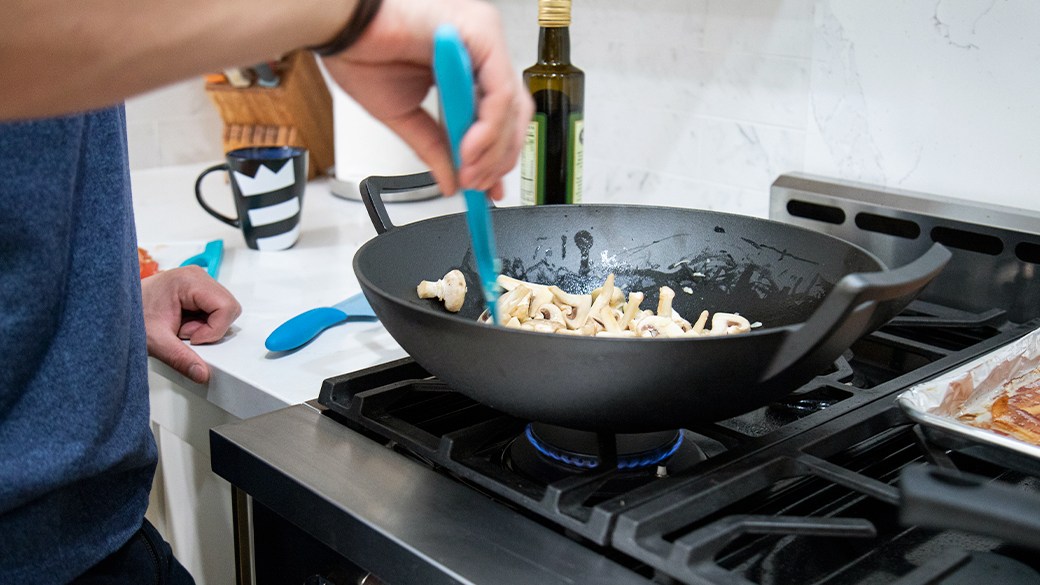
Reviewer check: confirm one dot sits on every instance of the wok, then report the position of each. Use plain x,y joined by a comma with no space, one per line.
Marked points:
813,293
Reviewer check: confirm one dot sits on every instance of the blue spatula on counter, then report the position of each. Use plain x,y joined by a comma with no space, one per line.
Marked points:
209,258
453,71
307,325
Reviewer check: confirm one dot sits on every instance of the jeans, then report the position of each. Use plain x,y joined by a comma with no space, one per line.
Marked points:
146,558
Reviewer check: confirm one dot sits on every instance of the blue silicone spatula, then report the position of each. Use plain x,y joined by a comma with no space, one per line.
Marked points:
308,324
209,258
453,71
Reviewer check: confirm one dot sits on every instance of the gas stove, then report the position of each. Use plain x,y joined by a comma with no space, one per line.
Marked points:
804,490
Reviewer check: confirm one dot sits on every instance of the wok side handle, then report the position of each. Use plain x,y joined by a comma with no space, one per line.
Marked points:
372,189
845,314
944,499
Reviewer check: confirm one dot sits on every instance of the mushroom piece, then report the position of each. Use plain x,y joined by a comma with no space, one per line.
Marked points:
657,326
617,297
569,299
540,297
601,310
549,312
605,319
664,302
665,309
605,312
697,328
508,283
616,334
515,303
728,324
639,316
542,326
631,308
451,290
580,314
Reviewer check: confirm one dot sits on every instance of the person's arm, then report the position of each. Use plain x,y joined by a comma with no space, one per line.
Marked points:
185,304
59,57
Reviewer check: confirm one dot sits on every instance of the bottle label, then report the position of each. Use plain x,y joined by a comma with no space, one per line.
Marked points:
575,156
532,162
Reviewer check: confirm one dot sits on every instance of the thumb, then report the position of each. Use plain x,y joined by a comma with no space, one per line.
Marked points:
175,353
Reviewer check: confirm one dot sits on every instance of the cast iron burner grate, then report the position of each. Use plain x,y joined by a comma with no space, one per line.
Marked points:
402,405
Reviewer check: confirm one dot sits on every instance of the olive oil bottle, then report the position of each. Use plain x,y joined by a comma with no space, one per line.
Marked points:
551,162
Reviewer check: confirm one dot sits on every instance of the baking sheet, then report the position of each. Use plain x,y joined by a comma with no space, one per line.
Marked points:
934,404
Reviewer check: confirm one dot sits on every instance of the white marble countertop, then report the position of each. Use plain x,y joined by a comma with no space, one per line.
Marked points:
248,380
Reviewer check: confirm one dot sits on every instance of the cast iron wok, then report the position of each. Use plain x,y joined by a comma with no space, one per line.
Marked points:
814,295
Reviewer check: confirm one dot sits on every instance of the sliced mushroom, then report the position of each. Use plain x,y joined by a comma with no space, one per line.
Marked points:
591,327
657,326
604,313
631,308
579,314
515,303
728,324
605,317
509,283
549,312
617,297
540,297
664,302
616,334
698,327
542,326
567,298
639,316
606,293
451,290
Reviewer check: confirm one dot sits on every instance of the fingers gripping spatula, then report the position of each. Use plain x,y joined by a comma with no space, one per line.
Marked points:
453,72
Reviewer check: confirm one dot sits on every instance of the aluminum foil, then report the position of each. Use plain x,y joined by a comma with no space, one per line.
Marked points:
972,388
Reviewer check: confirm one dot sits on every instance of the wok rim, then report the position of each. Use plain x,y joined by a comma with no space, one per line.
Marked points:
367,284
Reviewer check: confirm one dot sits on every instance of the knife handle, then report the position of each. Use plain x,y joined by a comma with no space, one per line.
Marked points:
303,328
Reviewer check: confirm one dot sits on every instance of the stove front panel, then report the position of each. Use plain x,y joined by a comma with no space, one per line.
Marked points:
996,250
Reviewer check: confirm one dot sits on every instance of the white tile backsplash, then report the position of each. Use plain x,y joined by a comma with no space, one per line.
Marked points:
697,103
701,103
937,96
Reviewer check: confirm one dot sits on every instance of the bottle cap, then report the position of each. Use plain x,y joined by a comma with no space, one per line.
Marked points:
554,13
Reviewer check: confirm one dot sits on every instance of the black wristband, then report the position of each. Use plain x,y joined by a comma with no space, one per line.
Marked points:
363,14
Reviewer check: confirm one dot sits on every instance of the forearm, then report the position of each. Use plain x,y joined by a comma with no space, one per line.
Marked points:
59,57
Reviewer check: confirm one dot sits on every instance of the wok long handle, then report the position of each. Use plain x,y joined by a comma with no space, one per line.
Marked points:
845,314
938,498
372,190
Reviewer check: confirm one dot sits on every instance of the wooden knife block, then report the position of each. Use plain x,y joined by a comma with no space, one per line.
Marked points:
298,112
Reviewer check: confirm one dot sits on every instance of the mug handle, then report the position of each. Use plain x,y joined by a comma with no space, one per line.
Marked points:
233,222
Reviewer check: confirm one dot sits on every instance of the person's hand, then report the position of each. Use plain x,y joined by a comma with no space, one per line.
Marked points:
388,71
185,303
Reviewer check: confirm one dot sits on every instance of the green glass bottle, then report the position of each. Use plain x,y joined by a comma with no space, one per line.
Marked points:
551,162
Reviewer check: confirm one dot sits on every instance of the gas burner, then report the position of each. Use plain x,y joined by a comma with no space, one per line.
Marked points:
549,453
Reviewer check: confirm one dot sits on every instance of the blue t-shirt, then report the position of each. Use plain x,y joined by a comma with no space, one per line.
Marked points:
76,452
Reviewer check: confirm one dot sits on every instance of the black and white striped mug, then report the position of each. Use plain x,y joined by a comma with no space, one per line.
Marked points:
268,184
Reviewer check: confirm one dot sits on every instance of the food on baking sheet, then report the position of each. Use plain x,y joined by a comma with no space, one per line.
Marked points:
148,264
606,312
451,290
1014,412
